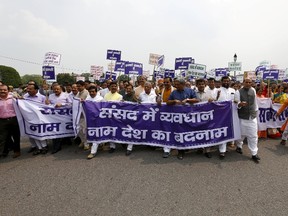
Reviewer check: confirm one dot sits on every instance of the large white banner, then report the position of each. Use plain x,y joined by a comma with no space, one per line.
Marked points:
43,122
267,114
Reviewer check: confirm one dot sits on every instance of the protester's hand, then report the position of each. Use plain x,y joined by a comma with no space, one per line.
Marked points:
242,104
178,102
192,100
58,105
47,102
277,115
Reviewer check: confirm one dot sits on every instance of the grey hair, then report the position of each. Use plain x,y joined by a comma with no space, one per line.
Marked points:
181,80
148,84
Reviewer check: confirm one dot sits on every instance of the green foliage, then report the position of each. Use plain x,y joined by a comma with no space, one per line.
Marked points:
63,78
123,77
86,75
37,78
9,76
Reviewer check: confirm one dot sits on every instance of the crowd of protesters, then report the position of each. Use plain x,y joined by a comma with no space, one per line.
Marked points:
170,91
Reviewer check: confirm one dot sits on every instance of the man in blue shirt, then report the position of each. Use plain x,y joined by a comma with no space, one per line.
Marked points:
182,96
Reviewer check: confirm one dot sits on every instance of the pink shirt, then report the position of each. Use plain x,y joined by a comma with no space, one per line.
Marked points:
6,107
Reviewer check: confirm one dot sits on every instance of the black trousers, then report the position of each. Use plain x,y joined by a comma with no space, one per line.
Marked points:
9,127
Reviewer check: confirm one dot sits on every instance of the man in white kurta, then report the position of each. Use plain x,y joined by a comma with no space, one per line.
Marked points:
93,96
247,112
225,93
147,96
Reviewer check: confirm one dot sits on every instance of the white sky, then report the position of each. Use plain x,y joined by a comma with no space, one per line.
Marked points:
210,31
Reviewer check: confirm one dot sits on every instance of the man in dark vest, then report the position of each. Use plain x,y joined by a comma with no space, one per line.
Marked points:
247,112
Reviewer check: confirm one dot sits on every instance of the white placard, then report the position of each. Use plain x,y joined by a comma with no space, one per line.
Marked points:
197,68
265,63
111,67
146,73
235,66
52,58
153,59
250,75
80,78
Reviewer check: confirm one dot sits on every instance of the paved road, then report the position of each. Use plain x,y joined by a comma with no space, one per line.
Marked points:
144,183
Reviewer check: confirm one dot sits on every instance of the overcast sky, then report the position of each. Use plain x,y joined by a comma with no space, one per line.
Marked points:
210,31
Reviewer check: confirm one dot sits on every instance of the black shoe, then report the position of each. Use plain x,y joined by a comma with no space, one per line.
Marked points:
55,151
180,155
128,152
44,150
200,151
36,152
208,154
111,150
239,150
256,158
31,150
4,155
166,154
222,156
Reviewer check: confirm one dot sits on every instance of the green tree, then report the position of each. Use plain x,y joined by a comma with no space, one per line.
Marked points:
123,77
86,75
63,78
9,76
35,77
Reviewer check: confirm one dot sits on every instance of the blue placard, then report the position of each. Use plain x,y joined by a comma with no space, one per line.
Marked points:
114,55
48,72
133,68
271,74
110,75
120,66
260,68
219,72
101,80
160,61
169,73
158,74
183,63
183,74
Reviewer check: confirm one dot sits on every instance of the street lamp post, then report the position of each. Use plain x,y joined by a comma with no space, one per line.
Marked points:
235,60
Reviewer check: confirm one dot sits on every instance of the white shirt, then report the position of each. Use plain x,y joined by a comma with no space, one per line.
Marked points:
212,92
226,94
97,98
36,98
103,92
145,98
72,96
203,96
63,98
